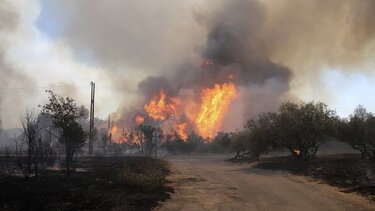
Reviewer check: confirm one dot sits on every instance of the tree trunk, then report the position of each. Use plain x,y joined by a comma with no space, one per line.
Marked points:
238,154
67,166
36,170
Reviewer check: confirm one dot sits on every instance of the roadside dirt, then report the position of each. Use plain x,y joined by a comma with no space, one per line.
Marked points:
207,182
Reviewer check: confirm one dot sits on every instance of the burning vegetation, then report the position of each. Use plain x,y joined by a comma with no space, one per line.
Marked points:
159,108
215,103
178,116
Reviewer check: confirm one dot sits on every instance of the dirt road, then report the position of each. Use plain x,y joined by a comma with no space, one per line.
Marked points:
208,183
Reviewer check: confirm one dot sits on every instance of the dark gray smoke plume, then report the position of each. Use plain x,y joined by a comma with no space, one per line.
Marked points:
262,46
235,38
235,48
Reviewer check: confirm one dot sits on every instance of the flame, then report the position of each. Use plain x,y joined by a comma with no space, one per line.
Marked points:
297,151
215,103
115,134
207,62
181,130
159,109
139,119
114,130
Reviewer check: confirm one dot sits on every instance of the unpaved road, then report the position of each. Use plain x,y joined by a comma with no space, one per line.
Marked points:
205,182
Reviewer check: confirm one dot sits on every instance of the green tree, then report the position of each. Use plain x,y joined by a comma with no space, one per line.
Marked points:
222,143
359,131
303,127
239,143
261,134
65,113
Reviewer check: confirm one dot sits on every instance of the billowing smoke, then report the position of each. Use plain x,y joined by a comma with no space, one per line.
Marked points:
10,76
273,50
234,48
262,44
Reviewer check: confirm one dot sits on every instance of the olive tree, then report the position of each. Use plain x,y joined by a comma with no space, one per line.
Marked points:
303,127
359,131
261,134
239,143
221,143
256,138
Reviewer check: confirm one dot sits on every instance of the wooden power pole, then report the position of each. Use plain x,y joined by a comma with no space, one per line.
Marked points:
109,128
92,107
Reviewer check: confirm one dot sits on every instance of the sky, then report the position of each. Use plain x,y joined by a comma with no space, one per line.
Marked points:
62,45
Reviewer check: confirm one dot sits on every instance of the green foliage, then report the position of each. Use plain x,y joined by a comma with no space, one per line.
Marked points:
178,146
239,142
300,128
261,134
175,145
222,143
65,113
304,127
359,131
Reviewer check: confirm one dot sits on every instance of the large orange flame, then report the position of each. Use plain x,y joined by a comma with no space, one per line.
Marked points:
159,109
116,135
139,119
181,130
215,103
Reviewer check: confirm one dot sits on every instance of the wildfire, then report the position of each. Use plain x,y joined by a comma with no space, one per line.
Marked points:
159,109
215,103
181,130
115,135
139,119
114,130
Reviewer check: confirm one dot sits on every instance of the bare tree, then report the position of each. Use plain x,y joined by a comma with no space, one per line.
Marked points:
32,141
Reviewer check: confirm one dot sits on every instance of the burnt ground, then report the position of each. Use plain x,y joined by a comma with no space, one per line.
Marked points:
104,183
346,171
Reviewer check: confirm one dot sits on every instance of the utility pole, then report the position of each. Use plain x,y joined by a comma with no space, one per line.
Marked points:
92,107
109,128
1,125
109,121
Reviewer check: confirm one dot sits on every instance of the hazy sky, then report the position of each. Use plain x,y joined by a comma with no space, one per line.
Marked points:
64,44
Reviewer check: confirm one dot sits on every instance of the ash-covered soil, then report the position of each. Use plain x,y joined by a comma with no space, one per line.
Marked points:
346,171
100,183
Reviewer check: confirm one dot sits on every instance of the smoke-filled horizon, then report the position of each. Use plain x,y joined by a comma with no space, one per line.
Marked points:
272,50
